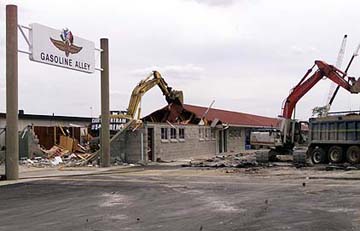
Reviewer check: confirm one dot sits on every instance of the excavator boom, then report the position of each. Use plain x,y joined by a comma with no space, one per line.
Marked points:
324,70
171,96
283,140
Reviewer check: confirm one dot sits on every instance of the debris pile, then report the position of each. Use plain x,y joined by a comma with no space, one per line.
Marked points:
239,160
343,166
68,153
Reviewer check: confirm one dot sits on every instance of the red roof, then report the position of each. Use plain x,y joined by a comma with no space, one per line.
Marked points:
233,118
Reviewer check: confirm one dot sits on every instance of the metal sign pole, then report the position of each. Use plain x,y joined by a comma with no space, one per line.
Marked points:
105,108
12,137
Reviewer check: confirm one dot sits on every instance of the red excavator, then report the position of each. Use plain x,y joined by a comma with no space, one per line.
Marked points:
283,139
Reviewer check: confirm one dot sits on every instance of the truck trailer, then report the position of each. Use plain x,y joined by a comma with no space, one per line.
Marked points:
335,138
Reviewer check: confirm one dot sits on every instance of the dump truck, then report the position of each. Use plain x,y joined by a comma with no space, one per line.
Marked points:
335,138
289,133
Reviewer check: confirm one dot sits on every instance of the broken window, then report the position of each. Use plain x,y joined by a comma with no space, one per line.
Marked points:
173,133
181,133
164,133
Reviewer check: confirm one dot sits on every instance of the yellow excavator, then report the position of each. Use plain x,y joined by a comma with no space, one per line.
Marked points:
155,78
171,96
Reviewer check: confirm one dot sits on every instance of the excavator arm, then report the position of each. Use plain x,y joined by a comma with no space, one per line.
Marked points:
306,83
283,140
137,93
171,96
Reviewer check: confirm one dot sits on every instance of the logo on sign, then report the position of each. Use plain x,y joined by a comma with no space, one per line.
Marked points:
66,43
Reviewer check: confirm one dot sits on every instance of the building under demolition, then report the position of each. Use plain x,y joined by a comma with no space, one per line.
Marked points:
174,132
43,130
182,132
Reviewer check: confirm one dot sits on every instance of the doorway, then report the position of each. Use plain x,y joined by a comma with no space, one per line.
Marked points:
222,141
225,140
150,144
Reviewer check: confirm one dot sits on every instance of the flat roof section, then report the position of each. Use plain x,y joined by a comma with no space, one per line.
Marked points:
50,117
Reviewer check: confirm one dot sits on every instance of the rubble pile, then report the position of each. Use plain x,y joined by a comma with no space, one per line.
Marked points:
238,160
343,166
67,153
63,158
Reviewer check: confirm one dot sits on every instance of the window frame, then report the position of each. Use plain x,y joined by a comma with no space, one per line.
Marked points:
207,134
201,133
182,137
213,133
172,138
164,131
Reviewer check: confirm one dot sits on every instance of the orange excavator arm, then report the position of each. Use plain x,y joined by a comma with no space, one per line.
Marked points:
306,83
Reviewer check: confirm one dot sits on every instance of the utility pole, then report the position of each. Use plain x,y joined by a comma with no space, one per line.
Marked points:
12,137
105,102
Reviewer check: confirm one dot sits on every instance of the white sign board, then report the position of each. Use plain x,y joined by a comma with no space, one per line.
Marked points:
61,48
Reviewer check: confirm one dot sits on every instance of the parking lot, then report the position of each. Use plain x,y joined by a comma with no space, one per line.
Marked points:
177,198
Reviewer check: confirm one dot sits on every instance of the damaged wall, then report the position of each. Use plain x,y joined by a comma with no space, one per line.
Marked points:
236,139
173,133
130,147
133,145
43,121
126,145
196,143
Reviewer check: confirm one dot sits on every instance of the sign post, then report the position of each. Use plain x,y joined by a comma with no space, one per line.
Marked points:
55,47
12,137
105,111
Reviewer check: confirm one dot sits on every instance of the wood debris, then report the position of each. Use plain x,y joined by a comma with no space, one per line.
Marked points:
69,150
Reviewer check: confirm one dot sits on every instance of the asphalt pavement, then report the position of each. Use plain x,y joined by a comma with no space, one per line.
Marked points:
175,198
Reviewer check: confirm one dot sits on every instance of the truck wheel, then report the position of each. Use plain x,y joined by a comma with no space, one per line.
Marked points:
318,155
299,157
335,154
353,154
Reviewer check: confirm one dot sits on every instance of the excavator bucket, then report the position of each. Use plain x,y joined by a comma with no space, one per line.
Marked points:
175,97
355,88
180,96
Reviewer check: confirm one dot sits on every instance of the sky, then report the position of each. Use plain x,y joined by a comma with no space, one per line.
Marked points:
245,54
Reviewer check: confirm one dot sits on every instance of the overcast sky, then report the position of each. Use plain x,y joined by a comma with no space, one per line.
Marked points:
244,54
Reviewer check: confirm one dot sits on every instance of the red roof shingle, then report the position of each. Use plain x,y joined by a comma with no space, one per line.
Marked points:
233,118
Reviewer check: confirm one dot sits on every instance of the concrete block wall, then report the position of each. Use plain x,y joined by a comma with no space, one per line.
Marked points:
127,146
175,149
133,146
117,146
236,139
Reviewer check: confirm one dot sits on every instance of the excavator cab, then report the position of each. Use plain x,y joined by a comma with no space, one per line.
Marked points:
301,132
